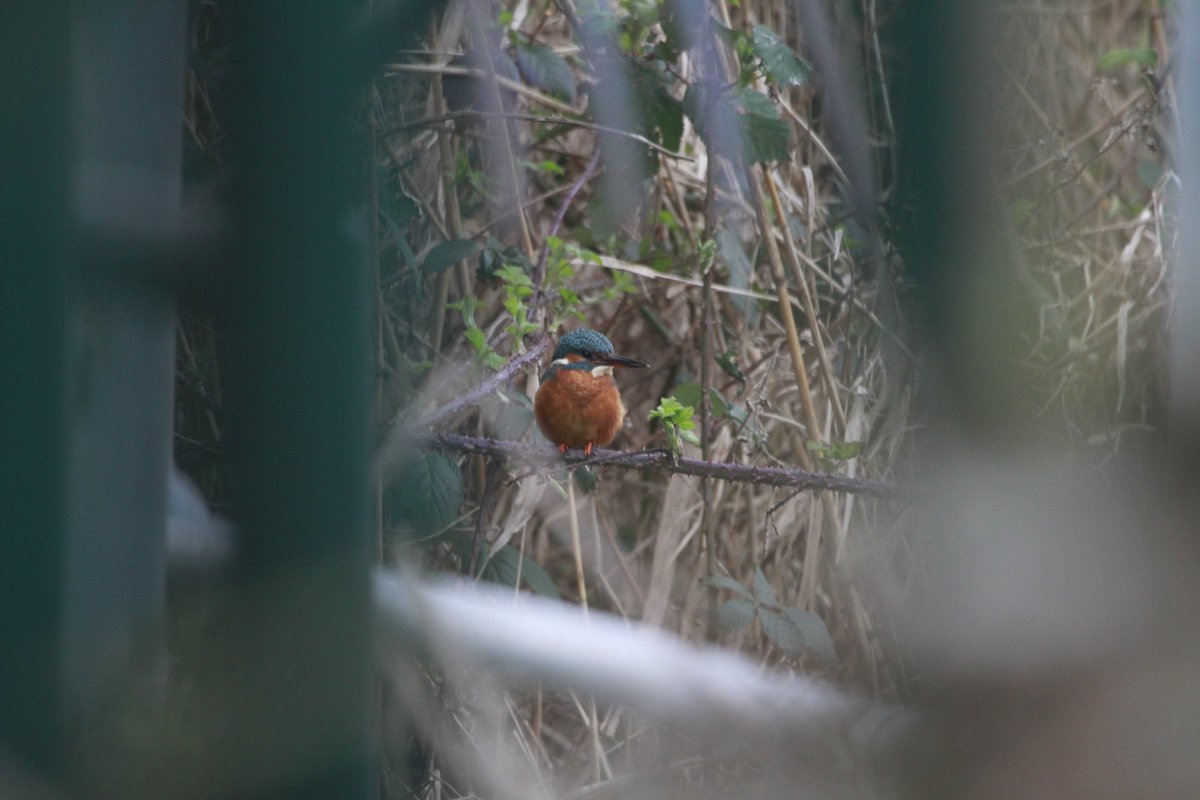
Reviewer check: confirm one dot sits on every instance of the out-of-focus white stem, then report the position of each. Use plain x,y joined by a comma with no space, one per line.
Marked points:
659,675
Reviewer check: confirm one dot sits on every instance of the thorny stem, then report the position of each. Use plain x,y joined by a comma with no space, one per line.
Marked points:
660,459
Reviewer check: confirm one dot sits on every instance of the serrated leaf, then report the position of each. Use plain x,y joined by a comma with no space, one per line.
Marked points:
545,69
780,62
724,582
446,254
667,115
763,590
782,632
506,565
815,634
501,567
765,134
425,492
740,117
734,614
659,110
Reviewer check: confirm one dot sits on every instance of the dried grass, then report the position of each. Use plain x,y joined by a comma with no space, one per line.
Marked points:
1080,153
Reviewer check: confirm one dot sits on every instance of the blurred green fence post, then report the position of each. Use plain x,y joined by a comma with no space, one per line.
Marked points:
34,202
295,300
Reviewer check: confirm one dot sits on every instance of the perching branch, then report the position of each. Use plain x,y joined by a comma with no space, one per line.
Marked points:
535,455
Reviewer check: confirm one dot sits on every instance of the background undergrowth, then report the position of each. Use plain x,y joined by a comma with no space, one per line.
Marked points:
590,183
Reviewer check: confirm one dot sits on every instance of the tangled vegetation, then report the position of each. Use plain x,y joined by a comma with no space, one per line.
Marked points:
682,186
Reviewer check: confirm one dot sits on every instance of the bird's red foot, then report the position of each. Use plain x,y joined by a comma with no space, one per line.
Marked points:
588,448
562,449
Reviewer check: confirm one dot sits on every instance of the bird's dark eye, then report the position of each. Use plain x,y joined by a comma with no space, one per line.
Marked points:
588,355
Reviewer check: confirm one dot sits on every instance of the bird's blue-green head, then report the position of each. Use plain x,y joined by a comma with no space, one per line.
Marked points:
592,348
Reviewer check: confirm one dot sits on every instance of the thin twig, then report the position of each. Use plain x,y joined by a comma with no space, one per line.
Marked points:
539,269
400,433
539,348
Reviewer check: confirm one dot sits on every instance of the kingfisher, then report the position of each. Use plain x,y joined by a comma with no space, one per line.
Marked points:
578,404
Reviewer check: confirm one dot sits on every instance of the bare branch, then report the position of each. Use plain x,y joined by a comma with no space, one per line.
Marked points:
539,348
402,432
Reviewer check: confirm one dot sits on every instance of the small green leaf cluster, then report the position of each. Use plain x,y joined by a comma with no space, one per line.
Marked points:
794,631
518,287
565,302
677,422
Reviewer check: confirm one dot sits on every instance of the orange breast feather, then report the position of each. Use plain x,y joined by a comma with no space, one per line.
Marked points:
576,408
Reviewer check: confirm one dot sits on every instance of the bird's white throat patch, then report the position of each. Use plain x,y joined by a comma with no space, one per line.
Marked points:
598,371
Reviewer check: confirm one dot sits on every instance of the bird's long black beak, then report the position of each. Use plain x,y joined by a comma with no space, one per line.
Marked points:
621,361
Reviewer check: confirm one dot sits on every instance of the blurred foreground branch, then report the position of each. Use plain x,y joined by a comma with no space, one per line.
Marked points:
533,639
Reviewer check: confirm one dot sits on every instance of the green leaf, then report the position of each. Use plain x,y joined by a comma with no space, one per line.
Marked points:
506,564
399,237
545,69
767,136
724,582
733,255
501,567
689,395
815,634
538,579
446,254
729,366
782,633
734,614
670,410
425,492
728,36
1120,56
744,113
659,109
762,589
782,65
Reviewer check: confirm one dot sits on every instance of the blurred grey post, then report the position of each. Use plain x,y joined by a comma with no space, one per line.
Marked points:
295,299
613,105
1184,329
35,135
127,95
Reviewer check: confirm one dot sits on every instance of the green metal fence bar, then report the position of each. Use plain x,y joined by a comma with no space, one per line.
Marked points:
34,190
295,300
